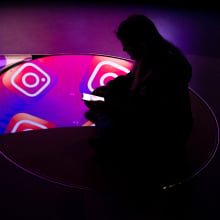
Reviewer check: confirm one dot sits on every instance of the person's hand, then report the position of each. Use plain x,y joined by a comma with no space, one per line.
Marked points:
95,107
90,115
100,91
90,104
95,110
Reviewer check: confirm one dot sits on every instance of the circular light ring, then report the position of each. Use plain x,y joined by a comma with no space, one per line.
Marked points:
196,172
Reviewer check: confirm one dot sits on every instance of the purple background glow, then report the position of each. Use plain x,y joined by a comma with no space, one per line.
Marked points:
90,29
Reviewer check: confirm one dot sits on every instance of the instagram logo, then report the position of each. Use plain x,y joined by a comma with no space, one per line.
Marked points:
25,122
102,70
31,80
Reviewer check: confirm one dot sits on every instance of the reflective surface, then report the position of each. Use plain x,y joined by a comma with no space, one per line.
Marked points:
46,92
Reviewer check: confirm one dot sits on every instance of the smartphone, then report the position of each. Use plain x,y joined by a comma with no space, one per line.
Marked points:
90,97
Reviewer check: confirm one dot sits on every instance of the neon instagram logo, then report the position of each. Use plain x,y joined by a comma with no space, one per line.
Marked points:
28,124
40,81
30,80
25,122
104,70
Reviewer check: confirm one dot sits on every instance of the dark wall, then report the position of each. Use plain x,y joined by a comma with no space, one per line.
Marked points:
86,27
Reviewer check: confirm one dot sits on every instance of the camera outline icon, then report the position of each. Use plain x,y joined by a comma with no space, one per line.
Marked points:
16,126
24,122
105,75
45,79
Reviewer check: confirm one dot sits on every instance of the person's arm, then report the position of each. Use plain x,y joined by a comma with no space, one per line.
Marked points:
96,108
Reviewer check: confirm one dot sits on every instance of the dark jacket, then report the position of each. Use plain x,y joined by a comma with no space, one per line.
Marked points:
150,125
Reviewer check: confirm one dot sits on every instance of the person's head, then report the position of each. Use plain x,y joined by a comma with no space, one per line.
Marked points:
139,36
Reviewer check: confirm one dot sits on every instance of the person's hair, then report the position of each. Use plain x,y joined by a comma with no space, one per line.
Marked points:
140,28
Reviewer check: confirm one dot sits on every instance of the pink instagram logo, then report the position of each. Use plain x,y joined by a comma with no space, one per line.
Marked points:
101,70
26,122
105,71
31,80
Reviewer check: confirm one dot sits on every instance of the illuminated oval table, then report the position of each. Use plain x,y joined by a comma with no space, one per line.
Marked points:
60,153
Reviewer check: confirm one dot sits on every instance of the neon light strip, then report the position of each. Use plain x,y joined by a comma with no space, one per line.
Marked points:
45,178
211,156
217,140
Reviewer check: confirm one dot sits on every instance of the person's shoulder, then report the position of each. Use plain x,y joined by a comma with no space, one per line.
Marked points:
175,67
177,60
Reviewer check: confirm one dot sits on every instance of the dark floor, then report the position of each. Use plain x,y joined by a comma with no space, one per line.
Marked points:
26,197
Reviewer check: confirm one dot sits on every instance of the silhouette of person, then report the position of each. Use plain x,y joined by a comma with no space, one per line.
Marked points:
146,118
